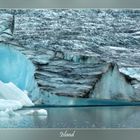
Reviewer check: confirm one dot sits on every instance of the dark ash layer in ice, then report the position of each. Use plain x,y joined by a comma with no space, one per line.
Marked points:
72,50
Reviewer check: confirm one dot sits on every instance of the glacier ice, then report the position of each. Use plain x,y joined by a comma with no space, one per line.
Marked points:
16,68
132,72
80,58
113,85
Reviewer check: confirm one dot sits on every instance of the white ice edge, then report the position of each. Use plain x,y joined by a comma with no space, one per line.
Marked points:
12,98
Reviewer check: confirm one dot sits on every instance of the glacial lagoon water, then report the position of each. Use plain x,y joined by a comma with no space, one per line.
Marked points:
77,117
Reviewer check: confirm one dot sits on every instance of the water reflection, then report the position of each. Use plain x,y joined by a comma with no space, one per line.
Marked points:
98,117
86,117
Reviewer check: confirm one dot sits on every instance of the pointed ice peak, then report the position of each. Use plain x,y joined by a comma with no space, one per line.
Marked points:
112,66
113,85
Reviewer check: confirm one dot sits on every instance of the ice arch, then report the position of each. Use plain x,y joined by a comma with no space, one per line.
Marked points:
16,68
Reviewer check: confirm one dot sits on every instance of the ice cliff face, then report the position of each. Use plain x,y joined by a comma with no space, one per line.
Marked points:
71,50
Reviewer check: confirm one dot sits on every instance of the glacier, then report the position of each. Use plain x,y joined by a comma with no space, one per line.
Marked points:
70,62
17,72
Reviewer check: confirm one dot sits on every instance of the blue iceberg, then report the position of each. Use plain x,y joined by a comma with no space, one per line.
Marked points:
16,68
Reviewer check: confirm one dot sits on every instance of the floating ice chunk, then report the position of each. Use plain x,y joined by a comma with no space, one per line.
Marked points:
10,105
8,113
9,91
12,113
28,112
40,112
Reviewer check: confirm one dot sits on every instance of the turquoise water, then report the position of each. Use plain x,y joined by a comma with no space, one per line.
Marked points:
78,117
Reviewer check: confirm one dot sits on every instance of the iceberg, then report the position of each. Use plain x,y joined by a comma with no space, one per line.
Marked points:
12,98
9,105
16,68
9,91
17,80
